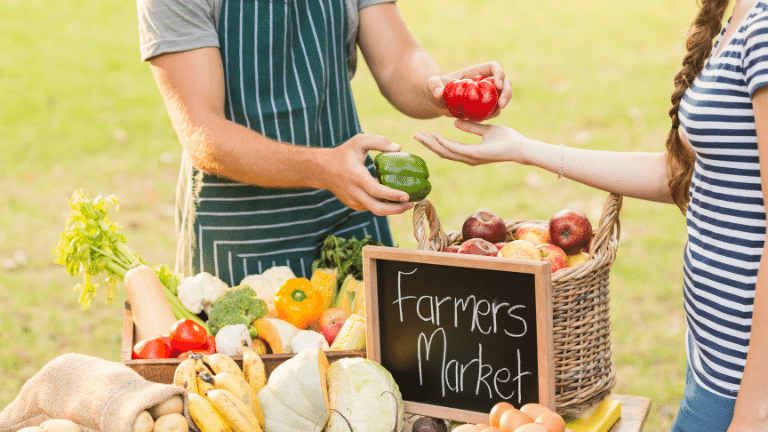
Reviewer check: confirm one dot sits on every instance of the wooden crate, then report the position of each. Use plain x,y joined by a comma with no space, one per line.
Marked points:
161,370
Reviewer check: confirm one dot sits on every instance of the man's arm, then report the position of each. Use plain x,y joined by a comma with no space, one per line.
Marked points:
192,86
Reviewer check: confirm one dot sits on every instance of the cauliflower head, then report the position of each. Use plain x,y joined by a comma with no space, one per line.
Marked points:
266,284
229,339
197,293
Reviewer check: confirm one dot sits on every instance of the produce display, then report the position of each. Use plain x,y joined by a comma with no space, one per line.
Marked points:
564,240
474,99
403,171
205,323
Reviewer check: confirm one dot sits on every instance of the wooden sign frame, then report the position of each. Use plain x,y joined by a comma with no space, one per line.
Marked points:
540,271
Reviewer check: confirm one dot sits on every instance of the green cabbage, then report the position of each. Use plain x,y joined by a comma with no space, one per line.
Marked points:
365,393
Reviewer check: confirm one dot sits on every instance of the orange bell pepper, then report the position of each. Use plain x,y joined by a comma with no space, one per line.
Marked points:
299,303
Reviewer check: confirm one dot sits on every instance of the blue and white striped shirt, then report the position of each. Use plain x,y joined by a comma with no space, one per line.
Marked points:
726,216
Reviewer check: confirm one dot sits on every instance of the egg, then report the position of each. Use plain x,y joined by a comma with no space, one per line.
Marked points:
512,419
552,421
491,429
534,410
497,411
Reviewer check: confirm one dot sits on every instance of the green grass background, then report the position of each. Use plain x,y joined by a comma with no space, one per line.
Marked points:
79,110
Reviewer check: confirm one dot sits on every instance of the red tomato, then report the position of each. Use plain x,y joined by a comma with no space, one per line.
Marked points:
187,335
209,348
167,340
472,99
153,348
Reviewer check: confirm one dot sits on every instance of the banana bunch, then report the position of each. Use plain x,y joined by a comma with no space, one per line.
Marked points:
221,397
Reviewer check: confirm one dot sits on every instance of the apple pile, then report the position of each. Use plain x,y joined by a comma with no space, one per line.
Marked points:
531,417
563,241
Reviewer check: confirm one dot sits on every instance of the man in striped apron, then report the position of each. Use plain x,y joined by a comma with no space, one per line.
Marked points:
259,94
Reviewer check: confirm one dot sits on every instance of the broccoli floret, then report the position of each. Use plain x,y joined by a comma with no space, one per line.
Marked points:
237,305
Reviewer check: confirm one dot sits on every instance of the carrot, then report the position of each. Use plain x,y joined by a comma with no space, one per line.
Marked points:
152,313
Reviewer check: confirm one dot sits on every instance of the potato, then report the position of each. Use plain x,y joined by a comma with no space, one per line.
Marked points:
171,423
143,422
59,425
30,429
172,405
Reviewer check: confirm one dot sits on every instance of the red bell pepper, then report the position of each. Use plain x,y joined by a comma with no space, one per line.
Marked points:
474,99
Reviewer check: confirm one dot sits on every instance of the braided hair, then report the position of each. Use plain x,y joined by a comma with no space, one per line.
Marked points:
701,35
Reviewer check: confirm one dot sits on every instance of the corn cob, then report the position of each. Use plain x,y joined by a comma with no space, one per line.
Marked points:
325,280
351,336
346,296
358,306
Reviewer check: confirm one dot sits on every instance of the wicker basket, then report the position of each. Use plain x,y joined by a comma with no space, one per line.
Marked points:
584,372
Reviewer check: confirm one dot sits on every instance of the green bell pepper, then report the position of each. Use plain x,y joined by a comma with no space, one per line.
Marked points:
405,172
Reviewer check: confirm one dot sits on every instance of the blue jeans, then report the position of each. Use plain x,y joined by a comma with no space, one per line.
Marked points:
701,410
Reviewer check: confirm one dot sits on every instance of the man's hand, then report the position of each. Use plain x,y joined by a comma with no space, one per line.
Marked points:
347,177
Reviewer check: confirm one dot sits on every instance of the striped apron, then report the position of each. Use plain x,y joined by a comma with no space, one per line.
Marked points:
287,78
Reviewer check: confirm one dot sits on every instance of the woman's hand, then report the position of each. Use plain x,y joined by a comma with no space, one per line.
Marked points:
347,177
436,84
499,144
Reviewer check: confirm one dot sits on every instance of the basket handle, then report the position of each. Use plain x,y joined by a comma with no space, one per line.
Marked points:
608,220
425,219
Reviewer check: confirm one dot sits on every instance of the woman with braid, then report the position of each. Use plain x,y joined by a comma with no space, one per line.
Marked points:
715,169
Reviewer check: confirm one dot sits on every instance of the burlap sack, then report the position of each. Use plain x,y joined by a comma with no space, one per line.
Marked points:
99,395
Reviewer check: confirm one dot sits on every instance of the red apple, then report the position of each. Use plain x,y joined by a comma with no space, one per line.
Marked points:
330,332
500,245
452,248
570,229
333,316
485,225
554,254
478,246
533,232
520,249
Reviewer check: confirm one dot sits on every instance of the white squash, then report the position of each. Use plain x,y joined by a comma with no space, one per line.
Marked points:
296,397
278,333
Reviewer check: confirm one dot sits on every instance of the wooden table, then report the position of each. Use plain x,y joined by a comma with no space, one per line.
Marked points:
634,411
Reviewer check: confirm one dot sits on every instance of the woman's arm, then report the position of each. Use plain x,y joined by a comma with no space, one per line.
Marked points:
407,76
635,174
192,86
751,411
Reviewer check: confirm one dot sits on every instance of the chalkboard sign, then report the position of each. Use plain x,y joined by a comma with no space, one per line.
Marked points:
460,333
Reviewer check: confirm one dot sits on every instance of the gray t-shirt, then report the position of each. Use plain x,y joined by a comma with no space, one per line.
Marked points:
167,26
